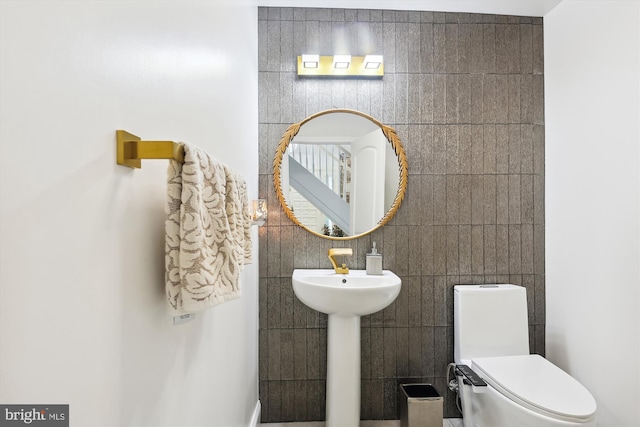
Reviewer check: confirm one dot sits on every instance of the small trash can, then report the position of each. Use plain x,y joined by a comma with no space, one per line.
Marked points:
421,406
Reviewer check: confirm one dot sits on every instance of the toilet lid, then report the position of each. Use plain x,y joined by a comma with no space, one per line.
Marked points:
539,385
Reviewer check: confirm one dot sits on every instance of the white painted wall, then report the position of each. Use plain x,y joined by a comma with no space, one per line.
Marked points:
592,200
82,310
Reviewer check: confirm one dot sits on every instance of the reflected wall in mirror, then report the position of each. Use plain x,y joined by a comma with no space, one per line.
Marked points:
340,174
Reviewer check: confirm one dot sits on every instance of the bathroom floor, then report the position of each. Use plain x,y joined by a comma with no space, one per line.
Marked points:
449,422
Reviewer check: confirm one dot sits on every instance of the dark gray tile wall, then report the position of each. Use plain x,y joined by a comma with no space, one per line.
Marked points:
465,94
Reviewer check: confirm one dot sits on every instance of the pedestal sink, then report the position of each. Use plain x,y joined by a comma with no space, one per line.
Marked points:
344,297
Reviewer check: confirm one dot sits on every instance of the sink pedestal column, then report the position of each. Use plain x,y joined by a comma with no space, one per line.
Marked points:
343,371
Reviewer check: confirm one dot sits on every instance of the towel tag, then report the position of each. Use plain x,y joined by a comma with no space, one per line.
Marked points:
183,318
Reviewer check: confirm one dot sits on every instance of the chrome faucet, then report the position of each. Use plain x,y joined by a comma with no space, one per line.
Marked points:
339,251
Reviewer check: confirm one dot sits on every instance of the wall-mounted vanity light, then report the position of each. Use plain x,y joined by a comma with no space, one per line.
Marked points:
258,212
340,66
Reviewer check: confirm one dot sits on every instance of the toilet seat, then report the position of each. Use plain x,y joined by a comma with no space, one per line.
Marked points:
537,384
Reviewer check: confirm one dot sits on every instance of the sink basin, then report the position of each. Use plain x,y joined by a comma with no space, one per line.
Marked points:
344,297
354,293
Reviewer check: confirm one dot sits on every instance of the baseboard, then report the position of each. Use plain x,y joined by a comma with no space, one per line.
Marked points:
255,419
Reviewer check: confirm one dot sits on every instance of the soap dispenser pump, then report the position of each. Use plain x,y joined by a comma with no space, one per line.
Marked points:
374,262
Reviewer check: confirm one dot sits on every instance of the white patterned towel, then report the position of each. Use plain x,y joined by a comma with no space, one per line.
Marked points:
208,238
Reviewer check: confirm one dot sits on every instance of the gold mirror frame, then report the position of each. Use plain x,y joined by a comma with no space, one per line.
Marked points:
391,136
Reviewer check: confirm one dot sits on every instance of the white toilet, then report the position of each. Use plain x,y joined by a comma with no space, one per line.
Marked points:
491,337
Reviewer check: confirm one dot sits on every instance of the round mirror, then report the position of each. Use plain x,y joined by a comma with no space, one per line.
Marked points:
340,174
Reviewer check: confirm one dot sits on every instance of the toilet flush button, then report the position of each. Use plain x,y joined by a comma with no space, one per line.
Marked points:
477,384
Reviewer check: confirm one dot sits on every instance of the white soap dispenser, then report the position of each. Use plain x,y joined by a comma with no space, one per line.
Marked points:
374,262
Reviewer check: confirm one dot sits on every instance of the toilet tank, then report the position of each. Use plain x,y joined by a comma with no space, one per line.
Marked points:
489,320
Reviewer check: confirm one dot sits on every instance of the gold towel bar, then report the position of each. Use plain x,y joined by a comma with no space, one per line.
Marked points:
131,150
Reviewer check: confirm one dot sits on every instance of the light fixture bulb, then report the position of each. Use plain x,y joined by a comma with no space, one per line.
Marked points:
341,62
310,61
372,62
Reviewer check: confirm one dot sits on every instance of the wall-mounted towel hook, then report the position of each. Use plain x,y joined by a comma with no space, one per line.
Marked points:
131,150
